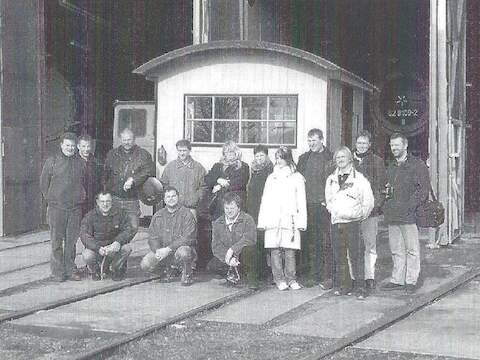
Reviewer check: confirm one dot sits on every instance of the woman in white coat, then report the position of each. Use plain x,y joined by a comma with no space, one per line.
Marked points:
283,214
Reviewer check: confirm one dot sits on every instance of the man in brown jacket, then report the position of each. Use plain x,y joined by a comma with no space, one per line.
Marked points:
172,234
62,185
233,240
106,232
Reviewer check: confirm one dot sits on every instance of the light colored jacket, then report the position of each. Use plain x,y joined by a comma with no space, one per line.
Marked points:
353,201
283,208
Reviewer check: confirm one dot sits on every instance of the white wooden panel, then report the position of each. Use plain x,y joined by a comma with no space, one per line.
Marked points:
252,75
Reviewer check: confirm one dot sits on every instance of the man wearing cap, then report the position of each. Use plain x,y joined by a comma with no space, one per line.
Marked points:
126,169
62,185
106,232
172,235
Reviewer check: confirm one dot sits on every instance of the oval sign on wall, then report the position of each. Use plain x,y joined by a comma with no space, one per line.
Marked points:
401,105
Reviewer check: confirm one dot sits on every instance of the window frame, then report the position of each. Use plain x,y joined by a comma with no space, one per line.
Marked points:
239,120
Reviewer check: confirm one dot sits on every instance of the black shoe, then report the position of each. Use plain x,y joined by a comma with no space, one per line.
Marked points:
95,276
74,277
116,276
57,279
370,285
391,286
410,289
326,285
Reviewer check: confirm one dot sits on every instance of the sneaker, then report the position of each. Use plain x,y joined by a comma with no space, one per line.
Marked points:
410,289
294,285
391,286
326,285
282,285
361,294
171,273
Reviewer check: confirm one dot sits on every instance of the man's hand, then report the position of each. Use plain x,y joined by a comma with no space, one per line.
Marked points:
234,261
115,247
216,188
162,253
223,182
128,184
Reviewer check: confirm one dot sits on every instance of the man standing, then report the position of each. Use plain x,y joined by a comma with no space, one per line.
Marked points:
62,185
186,175
106,232
372,167
93,170
126,169
350,200
233,240
172,235
408,186
317,254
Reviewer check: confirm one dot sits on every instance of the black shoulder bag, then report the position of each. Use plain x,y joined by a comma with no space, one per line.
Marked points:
431,213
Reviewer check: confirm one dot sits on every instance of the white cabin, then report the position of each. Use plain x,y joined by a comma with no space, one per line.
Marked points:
251,92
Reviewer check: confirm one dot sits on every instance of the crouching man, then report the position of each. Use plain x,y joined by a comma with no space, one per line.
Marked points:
106,232
172,235
233,242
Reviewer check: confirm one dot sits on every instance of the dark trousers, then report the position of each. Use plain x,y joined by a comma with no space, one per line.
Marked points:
115,262
316,256
204,242
348,246
64,231
247,265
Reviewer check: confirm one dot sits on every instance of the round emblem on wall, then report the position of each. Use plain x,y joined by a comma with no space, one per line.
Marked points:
401,104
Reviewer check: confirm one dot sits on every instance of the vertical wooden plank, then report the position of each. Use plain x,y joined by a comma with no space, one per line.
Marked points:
2,16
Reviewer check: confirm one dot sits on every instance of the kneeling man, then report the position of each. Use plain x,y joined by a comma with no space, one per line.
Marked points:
106,232
172,235
233,241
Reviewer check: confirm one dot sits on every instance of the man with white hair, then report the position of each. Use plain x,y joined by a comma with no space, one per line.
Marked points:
349,200
127,167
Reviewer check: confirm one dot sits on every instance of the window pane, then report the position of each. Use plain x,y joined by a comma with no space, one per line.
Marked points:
226,107
225,130
134,119
283,108
280,132
202,131
254,107
254,132
199,107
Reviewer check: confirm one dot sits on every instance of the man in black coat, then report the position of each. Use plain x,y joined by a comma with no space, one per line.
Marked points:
93,171
317,254
62,185
127,167
408,186
106,232
372,166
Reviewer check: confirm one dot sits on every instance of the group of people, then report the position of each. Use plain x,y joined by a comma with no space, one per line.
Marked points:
318,218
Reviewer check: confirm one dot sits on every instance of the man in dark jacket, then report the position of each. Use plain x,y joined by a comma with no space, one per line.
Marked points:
93,171
370,165
126,170
408,186
172,235
62,185
233,240
317,255
106,232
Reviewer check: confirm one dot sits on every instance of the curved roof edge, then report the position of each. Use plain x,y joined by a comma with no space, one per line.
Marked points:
340,74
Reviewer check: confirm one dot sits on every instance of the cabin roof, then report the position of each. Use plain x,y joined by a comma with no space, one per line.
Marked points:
153,68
